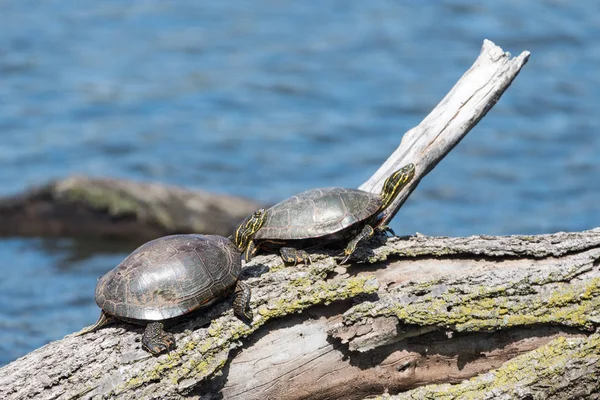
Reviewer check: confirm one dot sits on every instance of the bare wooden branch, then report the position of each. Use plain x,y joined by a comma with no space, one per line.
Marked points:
470,99
544,286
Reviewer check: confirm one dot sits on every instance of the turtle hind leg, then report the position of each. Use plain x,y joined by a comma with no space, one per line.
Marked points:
289,255
241,304
103,320
366,233
155,340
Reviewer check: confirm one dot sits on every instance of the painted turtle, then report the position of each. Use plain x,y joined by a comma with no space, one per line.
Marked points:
321,216
169,277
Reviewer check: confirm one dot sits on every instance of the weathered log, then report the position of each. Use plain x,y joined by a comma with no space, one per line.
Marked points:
455,308
421,310
81,206
415,311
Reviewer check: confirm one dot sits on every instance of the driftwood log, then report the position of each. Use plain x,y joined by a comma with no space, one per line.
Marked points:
410,317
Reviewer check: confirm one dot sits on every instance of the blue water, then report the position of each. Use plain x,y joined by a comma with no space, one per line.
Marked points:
267,98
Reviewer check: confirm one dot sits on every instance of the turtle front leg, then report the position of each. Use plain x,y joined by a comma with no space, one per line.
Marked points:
250,251
366,233
241,304
290,255
155,340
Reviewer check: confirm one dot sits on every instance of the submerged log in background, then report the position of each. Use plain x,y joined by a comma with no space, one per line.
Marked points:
515,314
81,206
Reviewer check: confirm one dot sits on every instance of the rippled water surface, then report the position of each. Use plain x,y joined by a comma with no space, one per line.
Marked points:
267,98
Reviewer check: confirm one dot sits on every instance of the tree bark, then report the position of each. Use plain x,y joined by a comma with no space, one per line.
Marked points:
412,316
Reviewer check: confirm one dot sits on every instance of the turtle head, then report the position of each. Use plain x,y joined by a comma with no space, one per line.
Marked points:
394,184
242,236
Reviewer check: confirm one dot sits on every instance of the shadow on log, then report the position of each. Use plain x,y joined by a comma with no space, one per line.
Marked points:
412,316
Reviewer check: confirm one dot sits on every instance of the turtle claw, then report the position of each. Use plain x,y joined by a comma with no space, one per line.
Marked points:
289,255
156,341
158,348
345,259
345,255
169,340
387,230
247,316
366,233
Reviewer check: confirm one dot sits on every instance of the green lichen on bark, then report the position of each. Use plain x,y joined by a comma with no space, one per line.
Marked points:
564,368
204,352
539,298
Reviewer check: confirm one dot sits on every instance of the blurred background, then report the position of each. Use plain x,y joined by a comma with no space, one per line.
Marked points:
264,99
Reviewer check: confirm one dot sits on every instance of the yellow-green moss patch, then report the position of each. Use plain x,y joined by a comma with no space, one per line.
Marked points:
485,309
199,359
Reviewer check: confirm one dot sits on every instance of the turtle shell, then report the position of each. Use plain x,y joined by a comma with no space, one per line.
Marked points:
318,212
169,277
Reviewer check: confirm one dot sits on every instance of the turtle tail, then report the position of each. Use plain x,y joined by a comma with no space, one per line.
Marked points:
103,320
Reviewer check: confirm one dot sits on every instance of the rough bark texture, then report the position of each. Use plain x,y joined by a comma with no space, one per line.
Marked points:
409,316
517,281
81,206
